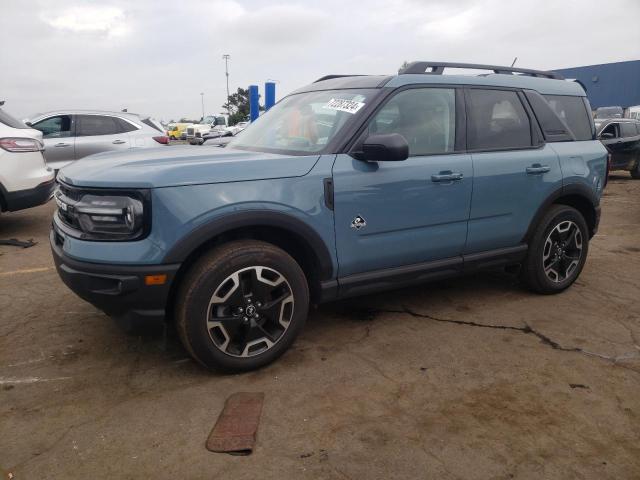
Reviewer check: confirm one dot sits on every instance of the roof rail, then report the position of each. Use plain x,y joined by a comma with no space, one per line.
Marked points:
437,68
329,77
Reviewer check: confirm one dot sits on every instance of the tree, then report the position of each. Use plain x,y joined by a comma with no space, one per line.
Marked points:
238,105
404,65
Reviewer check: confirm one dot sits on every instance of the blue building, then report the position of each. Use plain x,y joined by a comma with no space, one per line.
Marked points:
608,84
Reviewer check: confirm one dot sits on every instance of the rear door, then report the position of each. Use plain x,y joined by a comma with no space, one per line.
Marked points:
99,133
513,171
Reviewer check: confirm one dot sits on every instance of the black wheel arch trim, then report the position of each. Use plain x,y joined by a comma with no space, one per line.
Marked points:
574,189
254,218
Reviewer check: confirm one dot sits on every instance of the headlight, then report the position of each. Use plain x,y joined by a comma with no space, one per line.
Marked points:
103,216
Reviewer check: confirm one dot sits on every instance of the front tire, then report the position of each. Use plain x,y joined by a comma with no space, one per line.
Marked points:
241,306
557,251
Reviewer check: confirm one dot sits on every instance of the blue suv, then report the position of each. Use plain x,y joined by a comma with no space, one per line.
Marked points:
350,185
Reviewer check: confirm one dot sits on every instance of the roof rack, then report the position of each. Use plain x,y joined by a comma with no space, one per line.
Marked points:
437,68
329,77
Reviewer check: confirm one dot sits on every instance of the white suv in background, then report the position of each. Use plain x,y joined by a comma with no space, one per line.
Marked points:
25,179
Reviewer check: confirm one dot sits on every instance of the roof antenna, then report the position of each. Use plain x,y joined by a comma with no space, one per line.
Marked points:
514,61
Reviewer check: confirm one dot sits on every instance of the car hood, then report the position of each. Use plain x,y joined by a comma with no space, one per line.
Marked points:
181,165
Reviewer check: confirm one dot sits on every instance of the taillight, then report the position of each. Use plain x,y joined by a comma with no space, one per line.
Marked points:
15,144
163,139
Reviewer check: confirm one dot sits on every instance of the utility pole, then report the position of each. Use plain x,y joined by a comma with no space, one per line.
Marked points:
226,58
202,98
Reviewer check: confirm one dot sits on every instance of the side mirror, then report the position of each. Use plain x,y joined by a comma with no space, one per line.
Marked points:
391,147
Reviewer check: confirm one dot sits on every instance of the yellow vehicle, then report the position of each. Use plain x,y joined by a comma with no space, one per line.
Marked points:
177,131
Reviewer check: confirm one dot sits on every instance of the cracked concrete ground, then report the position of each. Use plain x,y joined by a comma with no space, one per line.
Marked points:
471,378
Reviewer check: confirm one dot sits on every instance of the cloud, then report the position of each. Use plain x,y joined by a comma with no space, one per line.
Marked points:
106,20
156,56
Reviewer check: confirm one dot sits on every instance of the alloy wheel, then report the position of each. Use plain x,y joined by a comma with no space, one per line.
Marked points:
250,311
562,251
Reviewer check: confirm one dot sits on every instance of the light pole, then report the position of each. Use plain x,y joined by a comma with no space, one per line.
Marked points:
226,58
202,98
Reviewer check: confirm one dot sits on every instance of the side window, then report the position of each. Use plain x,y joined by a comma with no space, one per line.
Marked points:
498,120
610,131
425,117
628,129
90,125
574,113
55,127
125,126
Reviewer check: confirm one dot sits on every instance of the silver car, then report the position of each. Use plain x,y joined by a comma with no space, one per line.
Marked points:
70,135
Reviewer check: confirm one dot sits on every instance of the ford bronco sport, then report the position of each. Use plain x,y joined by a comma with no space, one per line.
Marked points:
350,185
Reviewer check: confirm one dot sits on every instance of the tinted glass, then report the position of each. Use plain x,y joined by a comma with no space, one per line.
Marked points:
90,125
574,113
638,128
10,121
125,126
628,129
151,123
426,118
498,120
305,122
55,127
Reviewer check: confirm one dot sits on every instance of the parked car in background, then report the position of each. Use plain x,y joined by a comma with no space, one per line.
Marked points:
25,179
176,131
238,127
634,112
210,123
349,185
621,136
609,112
70,135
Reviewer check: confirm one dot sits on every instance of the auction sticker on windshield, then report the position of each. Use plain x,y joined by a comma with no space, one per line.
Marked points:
342,105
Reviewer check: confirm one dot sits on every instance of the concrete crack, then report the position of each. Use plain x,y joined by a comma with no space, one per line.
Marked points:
526,329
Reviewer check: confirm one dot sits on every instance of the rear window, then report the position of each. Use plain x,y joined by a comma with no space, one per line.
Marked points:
498,121
9,121
574,113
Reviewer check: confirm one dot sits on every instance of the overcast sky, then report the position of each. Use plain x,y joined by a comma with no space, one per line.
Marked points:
157,56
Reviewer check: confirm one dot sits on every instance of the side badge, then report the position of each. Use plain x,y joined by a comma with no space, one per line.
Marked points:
358,222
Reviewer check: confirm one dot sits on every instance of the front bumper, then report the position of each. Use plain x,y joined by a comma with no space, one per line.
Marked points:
118,290
31,197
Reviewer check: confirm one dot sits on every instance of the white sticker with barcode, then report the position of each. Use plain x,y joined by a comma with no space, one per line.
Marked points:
342,105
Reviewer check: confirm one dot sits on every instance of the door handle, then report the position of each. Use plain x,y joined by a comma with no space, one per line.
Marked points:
537,168
119,142
447,177
62,145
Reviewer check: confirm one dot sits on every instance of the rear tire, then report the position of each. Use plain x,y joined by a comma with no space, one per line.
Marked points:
635,173
557,251
241,306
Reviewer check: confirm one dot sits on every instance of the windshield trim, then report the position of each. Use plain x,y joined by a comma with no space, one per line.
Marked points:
336,144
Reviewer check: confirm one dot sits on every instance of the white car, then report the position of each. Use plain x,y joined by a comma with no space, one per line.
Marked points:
25,179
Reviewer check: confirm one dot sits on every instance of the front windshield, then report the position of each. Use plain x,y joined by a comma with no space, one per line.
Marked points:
305,122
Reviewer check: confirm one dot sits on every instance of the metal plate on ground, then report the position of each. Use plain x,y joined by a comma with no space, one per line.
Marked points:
236,428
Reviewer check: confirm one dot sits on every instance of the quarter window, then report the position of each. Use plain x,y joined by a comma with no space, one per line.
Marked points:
574,113
425,117
498,120
55,127
90,125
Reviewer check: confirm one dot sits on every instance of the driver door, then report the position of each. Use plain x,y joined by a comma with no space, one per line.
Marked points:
410,213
